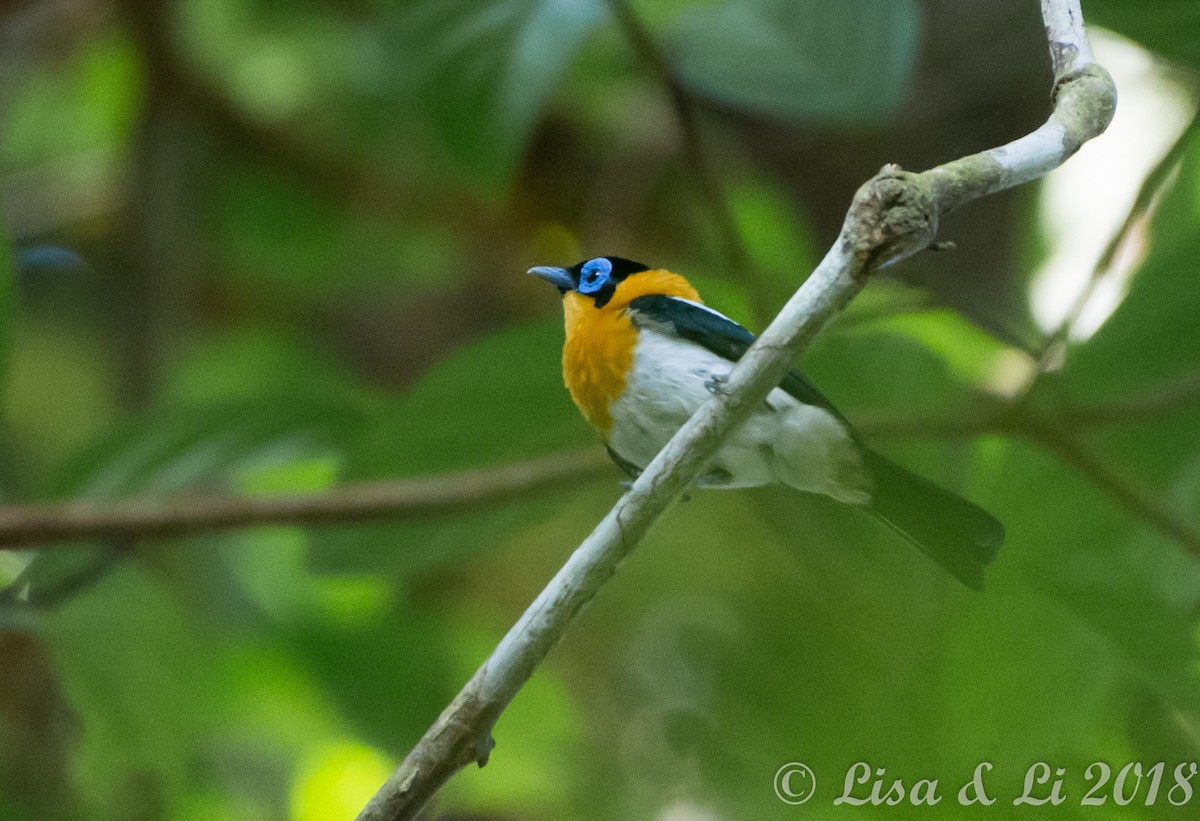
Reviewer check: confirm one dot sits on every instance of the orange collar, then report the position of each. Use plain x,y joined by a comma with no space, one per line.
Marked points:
600,342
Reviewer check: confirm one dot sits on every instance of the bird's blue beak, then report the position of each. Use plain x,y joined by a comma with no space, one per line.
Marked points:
559,277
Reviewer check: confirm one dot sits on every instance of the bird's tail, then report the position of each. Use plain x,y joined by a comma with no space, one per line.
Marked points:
960,536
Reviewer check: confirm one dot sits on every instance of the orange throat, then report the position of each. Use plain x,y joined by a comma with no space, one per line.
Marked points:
600,342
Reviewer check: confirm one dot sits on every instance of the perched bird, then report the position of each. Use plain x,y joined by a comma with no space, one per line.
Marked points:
643,352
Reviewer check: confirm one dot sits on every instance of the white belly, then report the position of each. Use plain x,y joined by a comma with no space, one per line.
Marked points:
785,441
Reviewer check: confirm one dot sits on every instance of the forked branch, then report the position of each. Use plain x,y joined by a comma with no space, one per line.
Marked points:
894,215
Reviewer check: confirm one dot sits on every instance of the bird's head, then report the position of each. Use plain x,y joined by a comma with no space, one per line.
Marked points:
601,279
596,278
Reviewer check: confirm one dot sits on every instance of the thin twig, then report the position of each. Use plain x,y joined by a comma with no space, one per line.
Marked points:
1154,404
893,215
1058,434
686,111
27,525
1143,204
1142,502
986,413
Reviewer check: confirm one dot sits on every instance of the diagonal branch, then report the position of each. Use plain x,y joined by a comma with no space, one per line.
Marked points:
1139,501
893,215
1154,404
1143,206
1057,433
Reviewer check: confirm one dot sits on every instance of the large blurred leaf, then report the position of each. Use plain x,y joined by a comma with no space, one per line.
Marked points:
1153,334
484,70
282,62
1128,585
829,61
256,363
1165,26
168,451
778,239
499,400
274,230
142,674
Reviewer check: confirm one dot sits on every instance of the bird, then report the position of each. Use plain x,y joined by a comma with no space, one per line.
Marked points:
642,352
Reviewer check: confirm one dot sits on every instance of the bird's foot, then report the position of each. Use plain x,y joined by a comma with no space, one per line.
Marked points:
715,384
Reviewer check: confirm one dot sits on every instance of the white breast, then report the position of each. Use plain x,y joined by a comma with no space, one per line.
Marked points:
785,442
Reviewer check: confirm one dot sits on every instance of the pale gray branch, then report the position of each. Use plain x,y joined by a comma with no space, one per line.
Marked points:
893,215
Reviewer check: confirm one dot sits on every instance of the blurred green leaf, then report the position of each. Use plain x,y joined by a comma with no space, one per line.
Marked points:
280,61
171,450
88,107
363,662
1164,26
971,352
777,237
56,575
499,400
1151,339
1126,584
829,61
148,685
867,367
226,445
60,393
240,402
1152,335
271,229
7,309
485,70
255,363
1122,581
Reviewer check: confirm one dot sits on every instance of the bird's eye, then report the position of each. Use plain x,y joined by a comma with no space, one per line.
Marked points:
594,275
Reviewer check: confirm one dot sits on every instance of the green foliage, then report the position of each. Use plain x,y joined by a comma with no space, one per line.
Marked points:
283,237
7,307
438,427
777,238
1164,26
483,71
829,61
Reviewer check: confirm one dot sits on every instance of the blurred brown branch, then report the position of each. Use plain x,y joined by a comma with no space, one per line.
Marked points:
988,413
23,526
27,525
1058,429
1142,502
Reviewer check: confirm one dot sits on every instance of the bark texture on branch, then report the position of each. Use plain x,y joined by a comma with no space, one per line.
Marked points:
894,215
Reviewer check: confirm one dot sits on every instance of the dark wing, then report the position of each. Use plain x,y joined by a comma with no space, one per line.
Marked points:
628,468
719,334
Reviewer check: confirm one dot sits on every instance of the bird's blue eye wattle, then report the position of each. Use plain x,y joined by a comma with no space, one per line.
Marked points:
594,275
